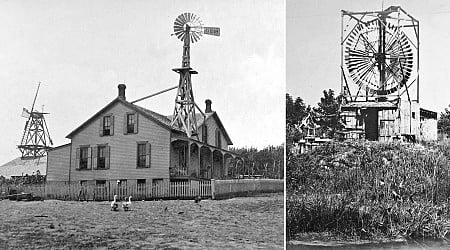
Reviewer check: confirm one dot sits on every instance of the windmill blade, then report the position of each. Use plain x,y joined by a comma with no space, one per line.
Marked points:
191,20
362,56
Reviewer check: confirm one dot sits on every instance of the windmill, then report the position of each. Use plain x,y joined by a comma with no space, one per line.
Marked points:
188,28
36,138
380,70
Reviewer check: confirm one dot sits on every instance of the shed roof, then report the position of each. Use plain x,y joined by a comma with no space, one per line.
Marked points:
377,105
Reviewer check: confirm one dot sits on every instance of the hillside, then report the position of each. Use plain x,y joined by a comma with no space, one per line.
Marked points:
18,167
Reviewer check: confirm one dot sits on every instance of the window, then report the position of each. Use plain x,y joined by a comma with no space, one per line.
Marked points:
143,155
100,182
218,139
101,157
205,134
83,157
140,181
107,125
130,123
414,115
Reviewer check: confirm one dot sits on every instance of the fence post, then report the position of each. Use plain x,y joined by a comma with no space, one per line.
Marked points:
213,189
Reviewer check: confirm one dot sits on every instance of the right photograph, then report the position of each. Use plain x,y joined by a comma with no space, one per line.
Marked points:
367,124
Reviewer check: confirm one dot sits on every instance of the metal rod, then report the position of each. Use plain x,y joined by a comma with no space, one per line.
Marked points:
157,93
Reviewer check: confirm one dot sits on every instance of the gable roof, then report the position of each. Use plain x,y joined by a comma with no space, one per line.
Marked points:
157,118
162,120
219,123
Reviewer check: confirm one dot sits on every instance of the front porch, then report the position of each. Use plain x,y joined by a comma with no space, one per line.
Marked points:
192,159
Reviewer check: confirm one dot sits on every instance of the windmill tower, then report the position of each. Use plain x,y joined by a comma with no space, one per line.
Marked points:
188,28
380,73
36,138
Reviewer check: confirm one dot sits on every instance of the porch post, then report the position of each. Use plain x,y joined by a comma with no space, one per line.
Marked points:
212,164
199,160
222,171
188,163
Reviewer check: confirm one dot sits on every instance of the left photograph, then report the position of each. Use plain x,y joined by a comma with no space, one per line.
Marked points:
142,124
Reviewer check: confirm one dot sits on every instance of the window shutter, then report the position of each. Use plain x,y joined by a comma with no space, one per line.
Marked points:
100,131
148,157
112,125
89,160
77,159
136,122
94,157
107,156
125,124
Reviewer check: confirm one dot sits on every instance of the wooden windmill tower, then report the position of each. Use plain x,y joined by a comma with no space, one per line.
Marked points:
188,28
36,138
380,73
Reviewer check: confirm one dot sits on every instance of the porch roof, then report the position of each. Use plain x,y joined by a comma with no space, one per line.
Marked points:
201,144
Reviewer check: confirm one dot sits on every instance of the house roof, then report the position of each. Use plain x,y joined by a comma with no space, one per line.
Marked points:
200,121
158,118
164,121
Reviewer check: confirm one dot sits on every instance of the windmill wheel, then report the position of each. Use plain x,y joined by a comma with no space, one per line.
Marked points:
379,57
194,23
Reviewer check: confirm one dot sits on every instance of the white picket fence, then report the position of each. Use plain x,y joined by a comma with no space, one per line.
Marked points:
187,189
183,189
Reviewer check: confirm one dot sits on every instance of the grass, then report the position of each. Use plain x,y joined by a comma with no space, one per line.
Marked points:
370,190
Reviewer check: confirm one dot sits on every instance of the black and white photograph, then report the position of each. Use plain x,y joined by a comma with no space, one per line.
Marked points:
367,124
142,124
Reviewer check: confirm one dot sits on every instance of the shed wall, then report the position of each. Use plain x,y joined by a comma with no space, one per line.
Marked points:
58,163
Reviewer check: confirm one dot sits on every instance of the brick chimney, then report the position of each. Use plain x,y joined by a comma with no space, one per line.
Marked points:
122,88
208,106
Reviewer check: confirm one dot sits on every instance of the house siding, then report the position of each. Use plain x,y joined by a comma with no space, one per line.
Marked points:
58,163
211,125
123,148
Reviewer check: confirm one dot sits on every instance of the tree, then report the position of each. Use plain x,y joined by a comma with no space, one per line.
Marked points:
328,113
444,122
267,162
295,110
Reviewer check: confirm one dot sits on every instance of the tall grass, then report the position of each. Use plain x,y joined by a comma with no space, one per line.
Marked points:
370,189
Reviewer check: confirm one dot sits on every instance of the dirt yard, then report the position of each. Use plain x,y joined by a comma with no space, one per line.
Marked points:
250,222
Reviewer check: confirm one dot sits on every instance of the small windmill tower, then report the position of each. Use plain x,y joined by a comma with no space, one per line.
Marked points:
188,28
36,138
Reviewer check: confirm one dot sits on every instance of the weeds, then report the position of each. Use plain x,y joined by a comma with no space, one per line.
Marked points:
370,189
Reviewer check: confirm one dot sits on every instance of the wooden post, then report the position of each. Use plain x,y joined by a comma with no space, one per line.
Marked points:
188,163
213,189
222,169
199,161
212,164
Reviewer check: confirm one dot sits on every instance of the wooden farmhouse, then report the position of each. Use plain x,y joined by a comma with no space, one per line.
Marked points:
129,143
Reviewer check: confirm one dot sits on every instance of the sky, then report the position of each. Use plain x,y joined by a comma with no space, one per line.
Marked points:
313,47
81,50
